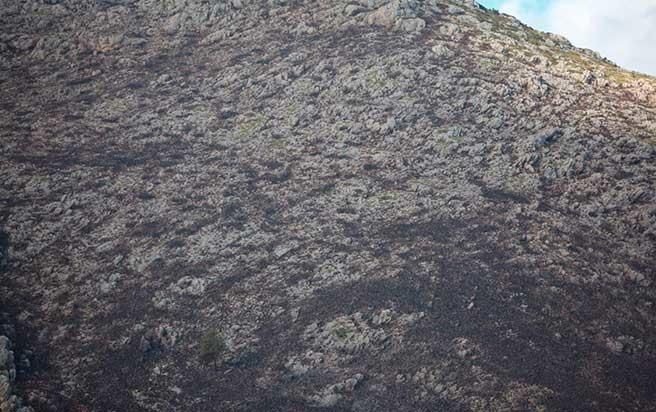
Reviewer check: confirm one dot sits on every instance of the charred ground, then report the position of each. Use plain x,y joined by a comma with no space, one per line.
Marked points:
383,205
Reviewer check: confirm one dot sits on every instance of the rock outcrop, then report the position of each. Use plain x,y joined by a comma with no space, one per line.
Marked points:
381,205
9,401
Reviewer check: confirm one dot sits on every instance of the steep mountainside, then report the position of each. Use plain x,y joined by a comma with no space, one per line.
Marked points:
382,205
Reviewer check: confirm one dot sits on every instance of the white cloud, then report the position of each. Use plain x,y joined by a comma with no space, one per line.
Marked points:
622,30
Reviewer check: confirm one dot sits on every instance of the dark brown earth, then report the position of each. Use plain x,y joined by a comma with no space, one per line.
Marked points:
381,205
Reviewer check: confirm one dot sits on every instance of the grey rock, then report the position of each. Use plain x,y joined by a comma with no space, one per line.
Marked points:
441,50
411,25
341,186
326,400
353,9
9,401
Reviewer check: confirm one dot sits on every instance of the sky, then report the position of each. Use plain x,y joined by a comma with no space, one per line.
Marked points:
622,30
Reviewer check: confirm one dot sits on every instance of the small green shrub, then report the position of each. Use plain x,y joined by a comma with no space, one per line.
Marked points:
212,346
343,332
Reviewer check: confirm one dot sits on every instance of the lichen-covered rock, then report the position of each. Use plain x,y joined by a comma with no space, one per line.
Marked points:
391,11
347,334
9,401
426,194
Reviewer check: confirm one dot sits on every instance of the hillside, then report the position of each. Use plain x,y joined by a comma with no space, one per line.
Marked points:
381,205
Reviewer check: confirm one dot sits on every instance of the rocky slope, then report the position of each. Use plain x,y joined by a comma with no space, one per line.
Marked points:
382,205
9,402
